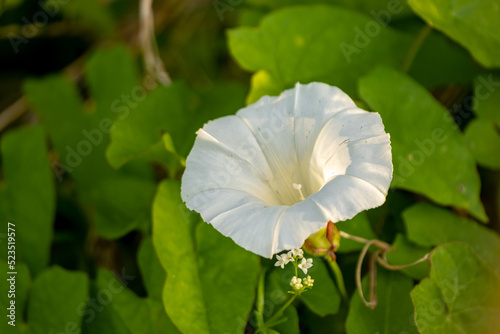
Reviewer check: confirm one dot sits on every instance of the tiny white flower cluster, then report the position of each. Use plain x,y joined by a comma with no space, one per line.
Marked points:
296,283
299,283
291,256
294,255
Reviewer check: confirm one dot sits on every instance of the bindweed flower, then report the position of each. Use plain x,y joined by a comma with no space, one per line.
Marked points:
306,264
280,169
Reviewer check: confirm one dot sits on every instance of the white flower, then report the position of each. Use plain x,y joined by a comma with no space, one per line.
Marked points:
298,253
282,260
308,281
306,264
296,283
281,168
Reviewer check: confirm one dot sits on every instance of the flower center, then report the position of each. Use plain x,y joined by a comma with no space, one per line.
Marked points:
298,186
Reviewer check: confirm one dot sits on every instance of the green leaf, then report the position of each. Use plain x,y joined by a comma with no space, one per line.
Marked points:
428,225
112,77
382,9
426,143
119,201
277,285
405,252
460,295
139,315
358,226
151,269
8,4
436,63
487,97
471,23
127,312
20,289
28,184
393,313
205,272
123,203
90,13
291,325
183,113
263,83
323,298
483,138
317,43
99,318
57,300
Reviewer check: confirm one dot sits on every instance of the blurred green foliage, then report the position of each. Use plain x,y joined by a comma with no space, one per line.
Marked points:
93,147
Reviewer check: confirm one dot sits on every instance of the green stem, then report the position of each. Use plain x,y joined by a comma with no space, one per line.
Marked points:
281,310
338,277
260,293
415,47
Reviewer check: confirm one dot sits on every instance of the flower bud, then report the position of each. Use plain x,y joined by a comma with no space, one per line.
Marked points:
325,241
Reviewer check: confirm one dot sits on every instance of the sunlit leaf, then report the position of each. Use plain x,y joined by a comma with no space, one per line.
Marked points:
206,271
176,109
428,225
460,295
316,43
471,23
426,145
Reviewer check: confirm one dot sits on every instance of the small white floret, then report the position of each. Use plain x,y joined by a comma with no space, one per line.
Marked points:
306,264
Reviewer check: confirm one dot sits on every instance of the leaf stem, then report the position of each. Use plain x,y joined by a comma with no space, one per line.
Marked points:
415,47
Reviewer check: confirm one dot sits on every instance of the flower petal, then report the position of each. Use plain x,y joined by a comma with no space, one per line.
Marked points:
272,124
315,104
252,226
342,139
298,222
341,198
222,167
345,195
371,160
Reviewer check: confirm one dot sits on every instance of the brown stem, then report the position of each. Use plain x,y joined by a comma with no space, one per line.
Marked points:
359,267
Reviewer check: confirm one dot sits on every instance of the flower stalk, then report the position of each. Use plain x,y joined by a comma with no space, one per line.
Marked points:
338,277
299,285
